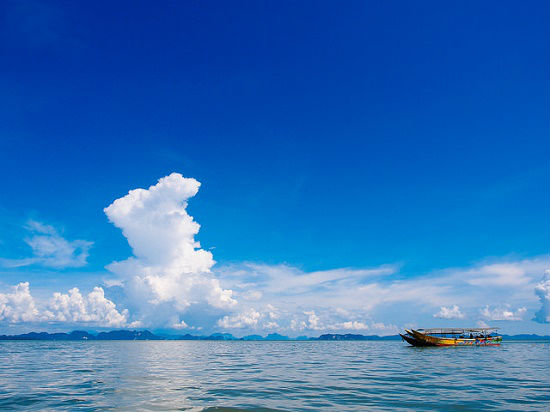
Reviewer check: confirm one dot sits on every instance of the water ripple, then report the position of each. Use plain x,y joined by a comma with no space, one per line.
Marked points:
271,377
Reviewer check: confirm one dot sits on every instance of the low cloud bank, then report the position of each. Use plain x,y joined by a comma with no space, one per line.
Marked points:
72,308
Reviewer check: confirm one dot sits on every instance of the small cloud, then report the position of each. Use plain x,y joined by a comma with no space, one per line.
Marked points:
113,282
451,312
503,313
351,325
384,327
248,318
272,312
482,324
180,325
326,322
252,295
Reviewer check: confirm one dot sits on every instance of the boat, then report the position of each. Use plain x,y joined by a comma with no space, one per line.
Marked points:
452,337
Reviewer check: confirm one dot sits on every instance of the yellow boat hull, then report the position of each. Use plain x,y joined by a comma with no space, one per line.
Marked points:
421,339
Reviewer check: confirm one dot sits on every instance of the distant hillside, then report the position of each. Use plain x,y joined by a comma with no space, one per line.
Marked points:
147,335
81,335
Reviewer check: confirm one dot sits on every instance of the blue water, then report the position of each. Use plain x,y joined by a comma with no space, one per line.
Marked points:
264,376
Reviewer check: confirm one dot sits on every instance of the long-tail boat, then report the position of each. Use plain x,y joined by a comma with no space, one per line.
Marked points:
452,337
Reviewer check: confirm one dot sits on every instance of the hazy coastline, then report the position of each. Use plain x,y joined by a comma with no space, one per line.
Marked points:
272,337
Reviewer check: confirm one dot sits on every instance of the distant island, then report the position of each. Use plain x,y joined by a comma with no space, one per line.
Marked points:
147,335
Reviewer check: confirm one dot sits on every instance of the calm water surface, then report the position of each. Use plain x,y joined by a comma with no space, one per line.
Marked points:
263,376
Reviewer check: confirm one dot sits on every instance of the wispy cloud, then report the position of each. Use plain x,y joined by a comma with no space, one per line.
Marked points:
353,298
51,249
503,313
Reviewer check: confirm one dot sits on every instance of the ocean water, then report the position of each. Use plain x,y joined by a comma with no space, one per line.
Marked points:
265,376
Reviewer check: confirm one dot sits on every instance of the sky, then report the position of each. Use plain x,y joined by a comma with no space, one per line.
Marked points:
258,167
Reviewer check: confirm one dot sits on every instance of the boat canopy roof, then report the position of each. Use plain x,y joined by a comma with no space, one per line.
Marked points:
454,331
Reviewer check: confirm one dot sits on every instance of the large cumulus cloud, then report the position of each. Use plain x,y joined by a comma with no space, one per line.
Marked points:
169,271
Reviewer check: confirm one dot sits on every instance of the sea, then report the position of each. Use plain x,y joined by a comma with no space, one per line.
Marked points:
271,376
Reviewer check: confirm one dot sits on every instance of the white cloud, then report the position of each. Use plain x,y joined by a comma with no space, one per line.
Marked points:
542,290
501,274
252,295
272,312
271,325
19,305
51,249
313,321
327,322
292,288
113,282
352,325
135,324
168,266
482,324
451,312
340,297
503,313
156,224
246,319
94,308
291,280
297,325
180,325
384,328
72,308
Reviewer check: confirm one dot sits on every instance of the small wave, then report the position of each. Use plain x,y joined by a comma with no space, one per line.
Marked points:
231,409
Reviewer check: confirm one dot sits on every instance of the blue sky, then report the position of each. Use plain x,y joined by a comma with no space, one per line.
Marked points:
374,147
